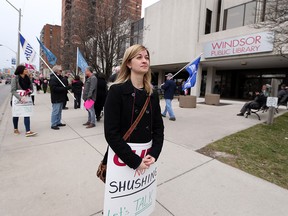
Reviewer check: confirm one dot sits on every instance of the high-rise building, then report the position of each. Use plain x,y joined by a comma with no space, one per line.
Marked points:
79,13
50,36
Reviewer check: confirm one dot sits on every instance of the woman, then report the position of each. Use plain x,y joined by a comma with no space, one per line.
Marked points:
22,82
124,102
77,85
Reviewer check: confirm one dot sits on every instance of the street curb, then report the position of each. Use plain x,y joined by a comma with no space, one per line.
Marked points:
3,110
4,107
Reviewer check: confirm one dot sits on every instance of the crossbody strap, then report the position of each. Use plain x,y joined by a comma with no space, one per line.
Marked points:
132,127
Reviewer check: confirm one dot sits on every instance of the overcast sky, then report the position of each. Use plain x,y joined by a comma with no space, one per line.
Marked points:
35,14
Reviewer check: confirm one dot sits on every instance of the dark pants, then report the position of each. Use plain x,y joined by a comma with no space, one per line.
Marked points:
26,123
77,101
249,105
98,106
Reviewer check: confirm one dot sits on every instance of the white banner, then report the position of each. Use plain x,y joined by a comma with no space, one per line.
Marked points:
247,44
20,109
127,191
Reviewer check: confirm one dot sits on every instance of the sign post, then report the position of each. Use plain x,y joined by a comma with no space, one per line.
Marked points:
272,102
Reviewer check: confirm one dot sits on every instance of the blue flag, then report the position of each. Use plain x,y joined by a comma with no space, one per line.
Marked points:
28,50
192,69
81,61
50,56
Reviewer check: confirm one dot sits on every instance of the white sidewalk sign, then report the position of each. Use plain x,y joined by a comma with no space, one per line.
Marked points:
127,191
272,102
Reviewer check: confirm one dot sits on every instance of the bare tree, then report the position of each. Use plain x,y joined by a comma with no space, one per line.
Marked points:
274,16
106,34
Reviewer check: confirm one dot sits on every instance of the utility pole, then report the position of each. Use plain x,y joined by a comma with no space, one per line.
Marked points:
271,110
19,30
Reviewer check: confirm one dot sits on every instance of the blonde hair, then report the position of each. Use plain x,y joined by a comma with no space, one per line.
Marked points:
125,71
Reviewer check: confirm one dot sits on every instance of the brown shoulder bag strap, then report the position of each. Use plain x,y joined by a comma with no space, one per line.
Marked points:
132,127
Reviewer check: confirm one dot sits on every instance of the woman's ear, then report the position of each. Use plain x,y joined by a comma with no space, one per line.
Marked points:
129,65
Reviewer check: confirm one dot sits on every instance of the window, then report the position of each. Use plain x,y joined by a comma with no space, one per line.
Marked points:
208,21
240,15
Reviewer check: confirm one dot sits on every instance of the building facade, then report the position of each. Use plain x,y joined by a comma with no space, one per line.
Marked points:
79,13
50,36
236,59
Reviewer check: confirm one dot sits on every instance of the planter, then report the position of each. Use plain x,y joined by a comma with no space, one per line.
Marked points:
187,101
212,99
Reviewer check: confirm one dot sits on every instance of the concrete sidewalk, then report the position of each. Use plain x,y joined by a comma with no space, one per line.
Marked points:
53,174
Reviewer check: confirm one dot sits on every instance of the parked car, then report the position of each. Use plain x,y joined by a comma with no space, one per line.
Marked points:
8,80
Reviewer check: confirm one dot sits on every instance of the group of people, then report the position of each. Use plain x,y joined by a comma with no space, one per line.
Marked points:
261,98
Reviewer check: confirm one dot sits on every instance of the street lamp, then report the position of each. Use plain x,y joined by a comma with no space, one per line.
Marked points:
9,48
19,29
13,59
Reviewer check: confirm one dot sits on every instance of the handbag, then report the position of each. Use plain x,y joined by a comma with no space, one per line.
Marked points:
102,168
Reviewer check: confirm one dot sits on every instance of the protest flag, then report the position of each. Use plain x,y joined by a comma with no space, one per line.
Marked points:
29,52
192,69
50,56
81,62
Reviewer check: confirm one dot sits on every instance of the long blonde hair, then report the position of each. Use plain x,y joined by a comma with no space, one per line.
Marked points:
125,71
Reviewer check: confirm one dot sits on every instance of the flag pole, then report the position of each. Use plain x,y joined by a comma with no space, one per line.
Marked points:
50,69
186,65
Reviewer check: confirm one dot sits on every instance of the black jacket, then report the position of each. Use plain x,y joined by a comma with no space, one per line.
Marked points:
169,89
123,105
77,86
57,90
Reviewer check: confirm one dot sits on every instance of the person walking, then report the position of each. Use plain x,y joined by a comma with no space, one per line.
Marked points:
58,96
77,85
21,81
101,95
169,88
89,95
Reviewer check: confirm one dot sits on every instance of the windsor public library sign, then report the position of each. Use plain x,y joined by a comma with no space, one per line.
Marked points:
247,44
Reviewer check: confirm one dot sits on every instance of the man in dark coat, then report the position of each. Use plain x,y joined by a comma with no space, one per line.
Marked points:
169,88
58,96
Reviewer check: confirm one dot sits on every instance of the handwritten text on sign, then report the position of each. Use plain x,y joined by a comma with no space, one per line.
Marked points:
128,191
22,109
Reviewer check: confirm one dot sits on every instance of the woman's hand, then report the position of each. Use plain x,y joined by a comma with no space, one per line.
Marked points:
149,160
23,100
142,166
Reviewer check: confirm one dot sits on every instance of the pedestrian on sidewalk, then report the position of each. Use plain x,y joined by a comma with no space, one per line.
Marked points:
22,82
125,99
89,93
45,84
58,96
169,88
77,85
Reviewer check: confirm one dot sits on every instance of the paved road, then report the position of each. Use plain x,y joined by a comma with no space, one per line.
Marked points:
4,93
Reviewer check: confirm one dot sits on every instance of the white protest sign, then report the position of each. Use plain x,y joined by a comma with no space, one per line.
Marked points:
20,109
272,102
127,191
